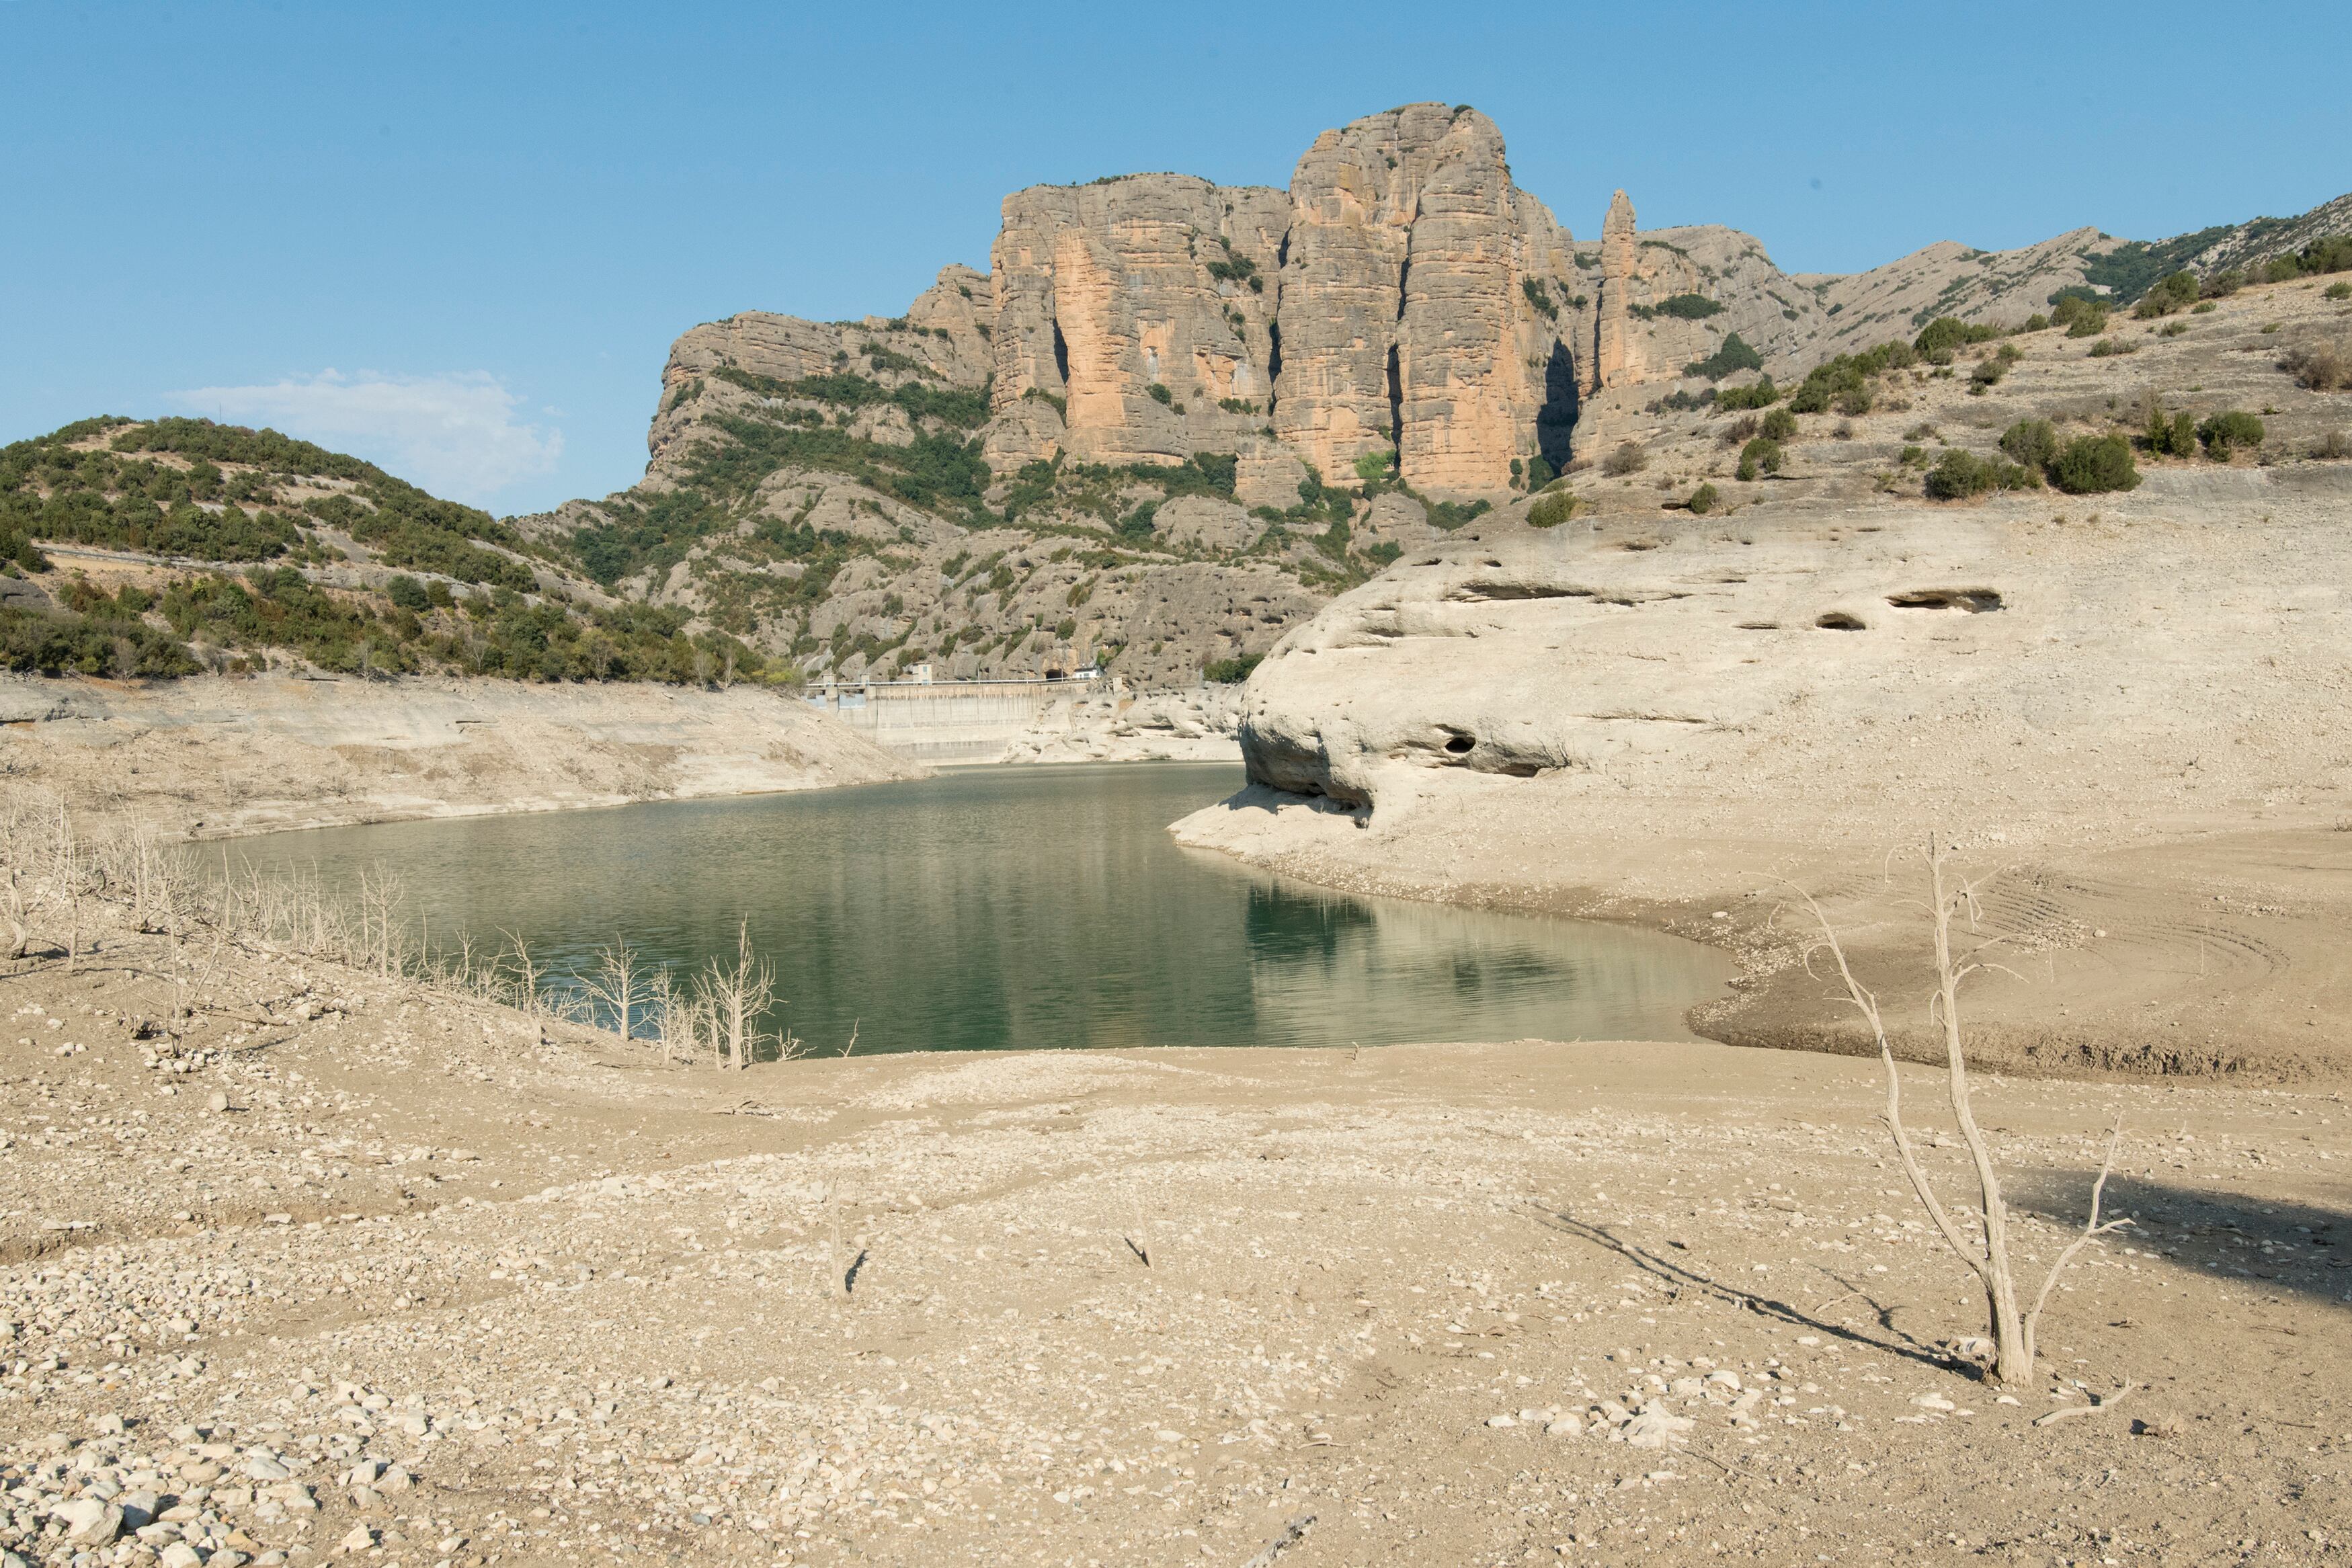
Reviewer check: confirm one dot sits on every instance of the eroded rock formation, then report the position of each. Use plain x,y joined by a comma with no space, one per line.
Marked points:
1404,297
1107,292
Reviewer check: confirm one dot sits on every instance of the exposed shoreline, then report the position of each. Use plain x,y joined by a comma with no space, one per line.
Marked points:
355,1278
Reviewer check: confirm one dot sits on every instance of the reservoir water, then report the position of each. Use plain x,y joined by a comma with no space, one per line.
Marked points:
1016,907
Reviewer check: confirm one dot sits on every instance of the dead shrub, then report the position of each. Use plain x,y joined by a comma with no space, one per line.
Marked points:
1629,458
2321,367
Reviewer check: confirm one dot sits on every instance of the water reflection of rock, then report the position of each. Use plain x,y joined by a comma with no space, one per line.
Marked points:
1329,968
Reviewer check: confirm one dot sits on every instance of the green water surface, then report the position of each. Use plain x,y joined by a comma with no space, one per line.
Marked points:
990,908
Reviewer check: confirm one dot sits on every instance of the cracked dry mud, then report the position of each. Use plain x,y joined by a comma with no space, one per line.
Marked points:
444,1284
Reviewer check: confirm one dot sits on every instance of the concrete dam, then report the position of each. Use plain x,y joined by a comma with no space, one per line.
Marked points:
949,721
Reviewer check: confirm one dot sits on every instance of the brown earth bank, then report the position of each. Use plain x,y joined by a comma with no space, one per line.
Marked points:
330,1265
216,756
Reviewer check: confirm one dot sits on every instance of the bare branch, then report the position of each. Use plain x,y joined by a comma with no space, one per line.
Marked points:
2091,1228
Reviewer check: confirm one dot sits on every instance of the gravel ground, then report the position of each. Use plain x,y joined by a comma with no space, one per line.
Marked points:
386,1274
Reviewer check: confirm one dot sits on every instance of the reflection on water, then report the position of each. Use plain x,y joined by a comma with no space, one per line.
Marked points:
1019,907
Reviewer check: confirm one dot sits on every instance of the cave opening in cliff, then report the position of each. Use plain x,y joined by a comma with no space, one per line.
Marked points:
1273,365
1556,420
1061,358
1396,405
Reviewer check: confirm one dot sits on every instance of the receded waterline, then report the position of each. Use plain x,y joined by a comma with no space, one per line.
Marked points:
1015,908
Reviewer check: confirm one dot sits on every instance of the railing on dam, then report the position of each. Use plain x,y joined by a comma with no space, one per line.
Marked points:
947,721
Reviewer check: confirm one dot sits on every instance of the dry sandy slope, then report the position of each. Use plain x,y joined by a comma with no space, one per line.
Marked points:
1137,1308
215,756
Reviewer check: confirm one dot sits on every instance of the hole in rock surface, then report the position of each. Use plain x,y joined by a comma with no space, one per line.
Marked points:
1838,621
1975,601
1461,745
1061,356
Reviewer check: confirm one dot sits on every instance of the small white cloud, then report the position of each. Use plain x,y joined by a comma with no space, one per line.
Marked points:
455,434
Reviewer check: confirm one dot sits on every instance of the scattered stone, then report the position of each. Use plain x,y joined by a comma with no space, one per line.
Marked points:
1657,1428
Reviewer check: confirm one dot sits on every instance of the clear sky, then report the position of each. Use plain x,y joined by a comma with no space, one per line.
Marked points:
459,238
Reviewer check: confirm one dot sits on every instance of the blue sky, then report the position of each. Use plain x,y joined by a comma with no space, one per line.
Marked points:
458,239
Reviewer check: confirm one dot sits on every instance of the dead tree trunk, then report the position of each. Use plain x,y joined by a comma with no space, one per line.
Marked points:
2012,1331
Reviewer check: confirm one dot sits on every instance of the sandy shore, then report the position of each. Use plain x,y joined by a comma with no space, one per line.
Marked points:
382,1270
218,757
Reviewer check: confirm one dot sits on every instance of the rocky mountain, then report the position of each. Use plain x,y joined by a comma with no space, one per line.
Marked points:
1175,417
1172,420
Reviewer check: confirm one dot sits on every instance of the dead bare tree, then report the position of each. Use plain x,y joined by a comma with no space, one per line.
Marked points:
617,984
2013,1329
15,936
674,1019
738,994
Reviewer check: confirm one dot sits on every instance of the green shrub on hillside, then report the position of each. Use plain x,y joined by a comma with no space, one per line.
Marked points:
1552,510
2176,292
1225,671
1843,383
1761,394
1539,297
2030,444
2333,254
2094,464
1704,499
1990,368
1945,335
2169,435
2083,315
2339,291
1960,473
1732,356
2230,432
17,551
1761,455
1687,307
1448,516
95,633
1779,424
2132,267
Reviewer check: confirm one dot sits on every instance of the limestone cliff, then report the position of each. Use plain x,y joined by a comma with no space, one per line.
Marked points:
1107,291
1410,312
1400,301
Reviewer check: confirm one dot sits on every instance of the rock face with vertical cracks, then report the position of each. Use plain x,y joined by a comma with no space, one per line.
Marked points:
1109,290
1406,319
1404,297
